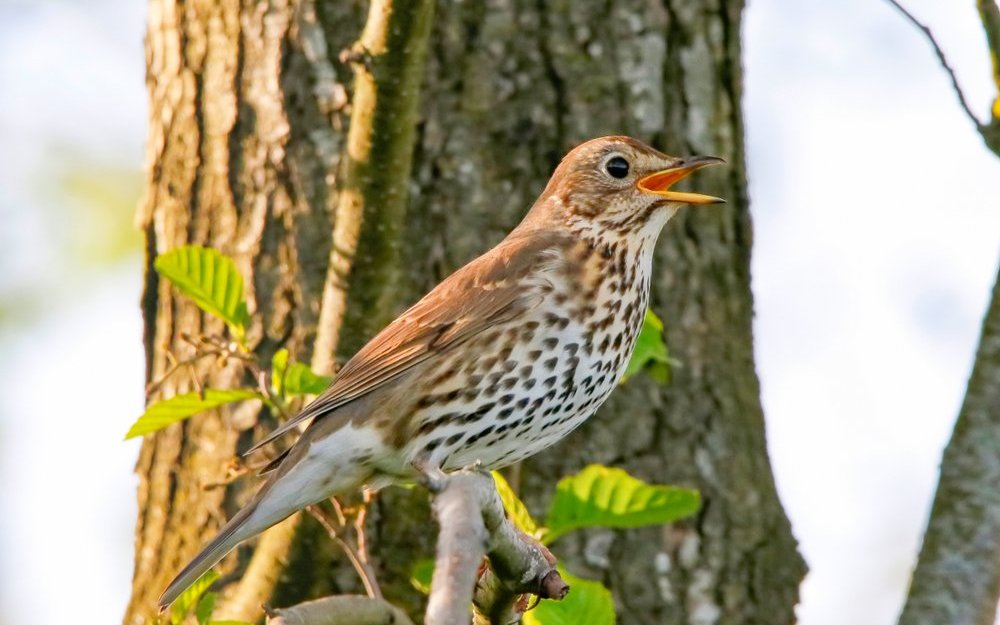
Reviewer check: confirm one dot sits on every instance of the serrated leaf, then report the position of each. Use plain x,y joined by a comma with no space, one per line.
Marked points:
210,279
203,612
163,413
279,366
588,603
301,380
516,510
602,496
650,351
189,598
420,575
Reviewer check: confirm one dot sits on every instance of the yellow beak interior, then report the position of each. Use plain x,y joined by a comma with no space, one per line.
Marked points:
659,183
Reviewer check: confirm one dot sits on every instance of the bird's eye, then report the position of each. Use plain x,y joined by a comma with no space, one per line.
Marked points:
617,167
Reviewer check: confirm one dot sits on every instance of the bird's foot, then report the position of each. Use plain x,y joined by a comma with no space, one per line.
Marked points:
431,477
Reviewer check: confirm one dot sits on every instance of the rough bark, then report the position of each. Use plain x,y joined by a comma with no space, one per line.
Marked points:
511,87
247,128
244,143
957,578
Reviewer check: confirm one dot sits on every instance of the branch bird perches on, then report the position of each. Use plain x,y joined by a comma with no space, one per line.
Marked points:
473,525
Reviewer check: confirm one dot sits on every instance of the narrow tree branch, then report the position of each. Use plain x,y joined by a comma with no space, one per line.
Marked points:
989,15
941,57
473,524
388,62
341,610
364,571
957,578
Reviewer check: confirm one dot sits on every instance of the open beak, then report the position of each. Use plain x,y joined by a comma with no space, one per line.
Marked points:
659,183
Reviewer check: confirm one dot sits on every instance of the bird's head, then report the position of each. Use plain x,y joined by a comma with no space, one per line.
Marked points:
622,183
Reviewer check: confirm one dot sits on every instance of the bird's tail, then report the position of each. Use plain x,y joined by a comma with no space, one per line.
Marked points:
247,523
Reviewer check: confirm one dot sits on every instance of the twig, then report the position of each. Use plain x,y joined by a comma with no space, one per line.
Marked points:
176,365
944,62
341,610
359,532
365,573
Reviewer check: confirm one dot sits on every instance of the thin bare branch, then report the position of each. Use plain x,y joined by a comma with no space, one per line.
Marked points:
944,62
365,572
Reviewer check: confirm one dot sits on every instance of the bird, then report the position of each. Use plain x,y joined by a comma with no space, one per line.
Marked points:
499,361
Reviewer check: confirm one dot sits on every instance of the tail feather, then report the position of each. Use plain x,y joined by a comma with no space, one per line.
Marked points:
316,467
238,529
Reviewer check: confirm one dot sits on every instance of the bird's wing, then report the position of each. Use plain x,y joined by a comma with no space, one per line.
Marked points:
487,291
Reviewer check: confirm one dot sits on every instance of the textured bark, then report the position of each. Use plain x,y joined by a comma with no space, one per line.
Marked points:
244,148
244,142
957,578
511,87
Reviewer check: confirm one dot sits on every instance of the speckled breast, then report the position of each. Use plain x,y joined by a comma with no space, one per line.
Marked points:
524,385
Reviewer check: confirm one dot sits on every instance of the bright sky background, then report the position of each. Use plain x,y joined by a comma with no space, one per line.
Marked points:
877,239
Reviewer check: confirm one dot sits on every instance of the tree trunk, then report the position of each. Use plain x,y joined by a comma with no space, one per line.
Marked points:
957,577
247,125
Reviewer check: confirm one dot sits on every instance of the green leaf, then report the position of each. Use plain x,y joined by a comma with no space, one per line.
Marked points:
588,603
189,598
228,622
163,413
210,279
205,606
516,510
420,575
301,380
601,496
650,351
279,366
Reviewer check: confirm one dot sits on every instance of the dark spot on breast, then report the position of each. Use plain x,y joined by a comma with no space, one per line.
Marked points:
480,434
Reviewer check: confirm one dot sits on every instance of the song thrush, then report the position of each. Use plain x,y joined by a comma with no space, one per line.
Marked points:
502,359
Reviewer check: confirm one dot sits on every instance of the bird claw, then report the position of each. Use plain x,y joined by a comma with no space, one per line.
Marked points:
431,478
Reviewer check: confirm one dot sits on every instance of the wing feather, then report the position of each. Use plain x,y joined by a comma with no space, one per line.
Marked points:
487,291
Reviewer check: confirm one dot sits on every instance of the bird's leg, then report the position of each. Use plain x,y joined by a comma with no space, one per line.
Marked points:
431,477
